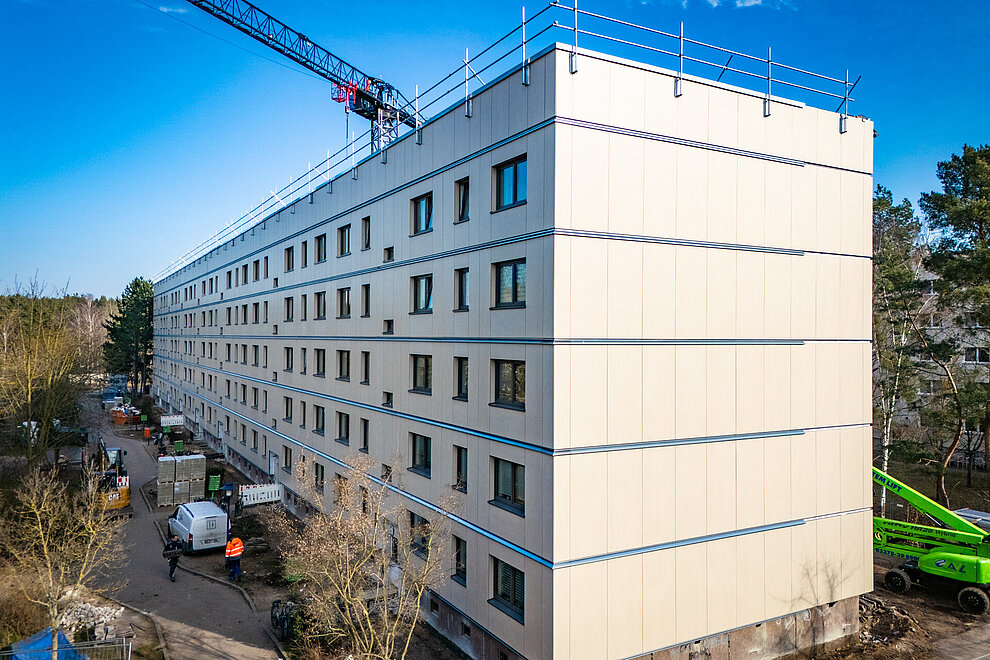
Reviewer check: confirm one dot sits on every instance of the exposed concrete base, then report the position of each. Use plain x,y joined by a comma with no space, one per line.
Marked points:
805,634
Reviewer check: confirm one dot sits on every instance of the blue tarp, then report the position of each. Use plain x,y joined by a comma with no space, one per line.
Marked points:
39,645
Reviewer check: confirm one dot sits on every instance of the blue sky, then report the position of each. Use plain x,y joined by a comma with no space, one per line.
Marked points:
131,132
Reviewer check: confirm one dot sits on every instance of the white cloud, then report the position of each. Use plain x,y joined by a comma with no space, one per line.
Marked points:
172,10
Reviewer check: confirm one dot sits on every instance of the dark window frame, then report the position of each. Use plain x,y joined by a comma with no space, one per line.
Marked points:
421,222
517,275
512,165
512,499
422,374
421,454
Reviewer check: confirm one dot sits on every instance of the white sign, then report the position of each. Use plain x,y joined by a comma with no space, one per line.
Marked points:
172,420
260,494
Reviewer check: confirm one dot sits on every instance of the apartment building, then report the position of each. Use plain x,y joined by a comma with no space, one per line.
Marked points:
629,328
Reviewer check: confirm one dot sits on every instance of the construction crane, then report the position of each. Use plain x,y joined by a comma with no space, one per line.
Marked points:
369,97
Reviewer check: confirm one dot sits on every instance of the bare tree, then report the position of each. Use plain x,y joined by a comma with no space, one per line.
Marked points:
365,562
60,541
39,367
87,324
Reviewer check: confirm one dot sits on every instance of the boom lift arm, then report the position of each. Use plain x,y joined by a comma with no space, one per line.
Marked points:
956,555
369,97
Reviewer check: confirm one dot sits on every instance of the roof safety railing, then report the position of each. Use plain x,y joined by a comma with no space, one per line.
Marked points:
614,36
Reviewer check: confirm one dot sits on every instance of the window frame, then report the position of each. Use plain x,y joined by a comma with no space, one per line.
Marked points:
513,602
498,186
320,249
513,500
514,402
462,289
418,224
515,302
461,378
344,240
421,367
462,200
421,458
417,308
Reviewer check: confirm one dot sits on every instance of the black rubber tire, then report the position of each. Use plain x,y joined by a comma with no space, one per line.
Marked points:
973,600
897,580
276,606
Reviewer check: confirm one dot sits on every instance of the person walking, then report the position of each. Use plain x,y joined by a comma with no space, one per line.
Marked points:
171,552
235,548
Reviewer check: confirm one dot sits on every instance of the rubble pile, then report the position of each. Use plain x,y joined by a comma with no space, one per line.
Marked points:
86,616
881,623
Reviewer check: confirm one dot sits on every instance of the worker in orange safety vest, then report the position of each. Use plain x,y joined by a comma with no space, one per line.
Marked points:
235,548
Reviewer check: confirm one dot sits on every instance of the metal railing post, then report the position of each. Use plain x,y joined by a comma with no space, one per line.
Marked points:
845,104
525,62
574,49
766,101
678,81
467,78
419,128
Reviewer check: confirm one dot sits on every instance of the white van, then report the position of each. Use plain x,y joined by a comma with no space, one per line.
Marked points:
199,525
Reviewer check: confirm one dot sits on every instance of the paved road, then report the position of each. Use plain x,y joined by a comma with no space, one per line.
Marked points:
974,644
201,618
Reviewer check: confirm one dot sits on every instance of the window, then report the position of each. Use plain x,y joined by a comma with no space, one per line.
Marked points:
421,462
977,354
321,362
254,441
365,433
290,259
462,199
254,398
229,279
287,401
287,363
461,378
419,533
365,368
302,360
510,283
266,267
510,183
256,270
422,214
422,370
388,254
386,472
344,303
287,306
244,274
343,428
460,560
320,303
460,468
255,312
319,476
365,300
422,294
319,419
343,365
303,307
303,254
343,241
508,590
366,233
510,486
287,458
320,248
461,289
510,383
387,399
302,415
388,327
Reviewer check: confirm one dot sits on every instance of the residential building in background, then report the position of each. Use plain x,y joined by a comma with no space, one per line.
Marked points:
628,327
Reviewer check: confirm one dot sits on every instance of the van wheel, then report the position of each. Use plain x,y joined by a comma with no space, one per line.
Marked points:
973,600
897,580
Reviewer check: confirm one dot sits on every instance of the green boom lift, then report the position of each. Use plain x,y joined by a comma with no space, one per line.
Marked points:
953,557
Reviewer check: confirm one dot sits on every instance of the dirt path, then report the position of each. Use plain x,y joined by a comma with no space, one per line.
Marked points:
200,618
